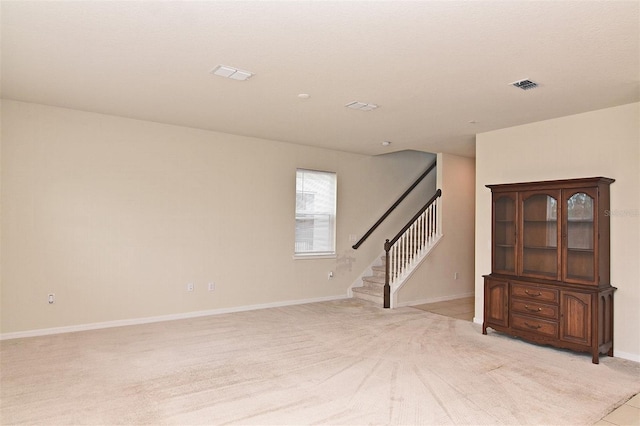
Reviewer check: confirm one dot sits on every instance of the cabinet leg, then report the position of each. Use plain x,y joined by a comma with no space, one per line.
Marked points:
484,329
610,352
596,358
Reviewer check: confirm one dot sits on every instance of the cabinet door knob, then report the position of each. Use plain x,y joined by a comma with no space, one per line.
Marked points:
532,309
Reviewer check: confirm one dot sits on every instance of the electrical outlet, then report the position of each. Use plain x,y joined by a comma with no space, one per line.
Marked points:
456,275
51,298
190,287
211,286
330,275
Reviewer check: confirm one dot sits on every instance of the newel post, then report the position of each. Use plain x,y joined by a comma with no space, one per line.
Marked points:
387,275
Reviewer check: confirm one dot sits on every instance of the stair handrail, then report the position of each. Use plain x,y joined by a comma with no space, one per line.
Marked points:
390,243
393,207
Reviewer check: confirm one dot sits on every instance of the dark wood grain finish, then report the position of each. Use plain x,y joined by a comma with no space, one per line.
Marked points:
535,309
550,280
497,299
547,328
535,292
576,319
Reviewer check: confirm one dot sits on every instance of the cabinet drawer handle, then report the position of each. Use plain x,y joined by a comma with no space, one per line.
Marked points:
532,295
531,309
535,327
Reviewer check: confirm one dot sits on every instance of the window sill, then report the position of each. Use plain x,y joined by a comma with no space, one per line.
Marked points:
314,256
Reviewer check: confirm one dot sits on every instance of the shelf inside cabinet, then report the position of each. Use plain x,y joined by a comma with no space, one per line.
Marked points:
580,250
540,221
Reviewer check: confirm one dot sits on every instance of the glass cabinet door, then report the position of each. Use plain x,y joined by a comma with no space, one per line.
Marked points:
504,233
540,234
579,249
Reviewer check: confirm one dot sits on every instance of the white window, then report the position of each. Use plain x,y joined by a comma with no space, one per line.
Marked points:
315,213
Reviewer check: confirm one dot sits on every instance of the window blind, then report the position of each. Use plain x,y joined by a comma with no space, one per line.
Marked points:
315,212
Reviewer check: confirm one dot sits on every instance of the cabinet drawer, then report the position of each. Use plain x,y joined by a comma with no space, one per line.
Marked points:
535,309
535,325
534,293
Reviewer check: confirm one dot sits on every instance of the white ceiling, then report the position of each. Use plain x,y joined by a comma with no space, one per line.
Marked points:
431,66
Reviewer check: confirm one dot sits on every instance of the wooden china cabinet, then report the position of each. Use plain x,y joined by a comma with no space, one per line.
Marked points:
549,280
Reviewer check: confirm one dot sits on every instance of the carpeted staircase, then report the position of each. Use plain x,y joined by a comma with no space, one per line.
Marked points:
372,288
404,253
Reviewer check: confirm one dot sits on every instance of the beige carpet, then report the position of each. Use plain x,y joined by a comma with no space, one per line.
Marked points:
342,362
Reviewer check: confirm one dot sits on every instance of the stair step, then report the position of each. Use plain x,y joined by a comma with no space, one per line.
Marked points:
369,294
379,271
373,286
373,279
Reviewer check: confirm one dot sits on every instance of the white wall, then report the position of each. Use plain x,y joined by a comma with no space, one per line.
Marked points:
115,216
599,143
434,279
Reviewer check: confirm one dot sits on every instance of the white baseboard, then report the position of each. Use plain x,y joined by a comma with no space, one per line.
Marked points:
161,318
626,355
196,314
435,299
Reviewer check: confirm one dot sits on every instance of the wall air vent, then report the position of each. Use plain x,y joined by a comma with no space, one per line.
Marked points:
525,84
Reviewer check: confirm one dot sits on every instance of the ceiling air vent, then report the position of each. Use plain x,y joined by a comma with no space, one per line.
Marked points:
231,72
525,84
362,106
